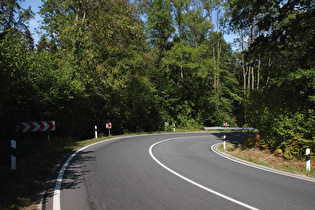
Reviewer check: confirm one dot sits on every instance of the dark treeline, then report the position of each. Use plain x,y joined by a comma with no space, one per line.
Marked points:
142,63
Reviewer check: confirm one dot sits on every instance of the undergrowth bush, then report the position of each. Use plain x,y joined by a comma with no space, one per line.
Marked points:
284,114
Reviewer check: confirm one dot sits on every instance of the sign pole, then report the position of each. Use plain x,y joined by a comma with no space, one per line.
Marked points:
108,126
29,141
40,126
48,138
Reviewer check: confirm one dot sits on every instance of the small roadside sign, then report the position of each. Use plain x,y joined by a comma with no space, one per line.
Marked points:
166,124
108,125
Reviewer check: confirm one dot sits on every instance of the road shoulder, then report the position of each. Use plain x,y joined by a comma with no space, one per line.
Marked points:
255,165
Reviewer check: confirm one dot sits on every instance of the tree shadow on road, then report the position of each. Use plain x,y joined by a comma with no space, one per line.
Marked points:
74,174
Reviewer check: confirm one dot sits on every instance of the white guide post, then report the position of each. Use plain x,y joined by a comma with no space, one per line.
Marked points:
224,137
95,128
13,157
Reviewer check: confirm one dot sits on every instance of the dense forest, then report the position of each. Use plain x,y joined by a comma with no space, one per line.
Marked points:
138,64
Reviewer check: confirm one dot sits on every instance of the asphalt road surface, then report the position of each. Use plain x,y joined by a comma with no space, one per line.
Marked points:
173,171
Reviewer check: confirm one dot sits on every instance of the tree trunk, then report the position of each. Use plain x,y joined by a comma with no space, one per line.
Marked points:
253,78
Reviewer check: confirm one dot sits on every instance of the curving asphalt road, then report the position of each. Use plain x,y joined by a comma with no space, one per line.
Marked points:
172,171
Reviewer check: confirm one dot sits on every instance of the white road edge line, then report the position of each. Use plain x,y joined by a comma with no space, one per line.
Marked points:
192,182
253,165
56,196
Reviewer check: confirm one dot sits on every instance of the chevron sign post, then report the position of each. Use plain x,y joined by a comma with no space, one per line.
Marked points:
108,126
35,126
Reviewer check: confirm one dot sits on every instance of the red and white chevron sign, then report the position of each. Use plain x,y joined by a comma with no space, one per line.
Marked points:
108,125
35,126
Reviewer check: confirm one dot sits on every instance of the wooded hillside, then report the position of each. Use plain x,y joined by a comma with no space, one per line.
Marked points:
138,64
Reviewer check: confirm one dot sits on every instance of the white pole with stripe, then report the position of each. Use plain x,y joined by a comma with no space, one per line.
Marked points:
224,137
13,157
308,159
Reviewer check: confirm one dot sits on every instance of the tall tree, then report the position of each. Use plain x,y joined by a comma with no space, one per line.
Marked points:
101,47
13,16
17,95
159,24
180,7
281,45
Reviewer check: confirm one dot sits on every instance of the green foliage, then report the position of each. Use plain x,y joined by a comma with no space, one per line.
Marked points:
140,64
285,114
141,107
101,62
15,87
159,23
281,40
13,16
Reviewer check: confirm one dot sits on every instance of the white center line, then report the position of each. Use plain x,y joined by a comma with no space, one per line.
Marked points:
193,182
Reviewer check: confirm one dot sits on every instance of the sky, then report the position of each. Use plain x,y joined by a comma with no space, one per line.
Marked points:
35,23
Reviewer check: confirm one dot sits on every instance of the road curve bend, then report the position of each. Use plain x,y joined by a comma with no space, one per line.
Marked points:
171,171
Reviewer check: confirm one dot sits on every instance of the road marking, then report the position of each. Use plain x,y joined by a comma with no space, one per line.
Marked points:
56,196
253,165
56,199
192,182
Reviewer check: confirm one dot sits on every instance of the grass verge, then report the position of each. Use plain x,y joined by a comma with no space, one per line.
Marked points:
266,158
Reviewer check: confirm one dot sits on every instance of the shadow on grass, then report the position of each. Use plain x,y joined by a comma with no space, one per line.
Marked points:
21,188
